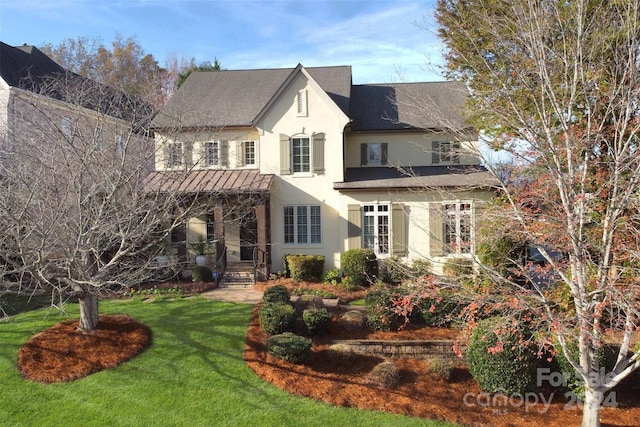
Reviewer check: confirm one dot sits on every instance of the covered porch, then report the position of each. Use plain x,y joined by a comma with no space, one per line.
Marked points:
228,222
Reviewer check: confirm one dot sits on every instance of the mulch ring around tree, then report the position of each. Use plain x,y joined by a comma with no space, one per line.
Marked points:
65,353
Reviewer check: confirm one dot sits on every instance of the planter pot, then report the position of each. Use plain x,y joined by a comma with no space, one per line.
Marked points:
201,260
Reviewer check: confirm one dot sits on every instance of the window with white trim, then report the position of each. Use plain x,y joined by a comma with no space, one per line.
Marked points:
445,152
300,155
376,227
302,224
67,129
249,153
212,153
457,225
175,155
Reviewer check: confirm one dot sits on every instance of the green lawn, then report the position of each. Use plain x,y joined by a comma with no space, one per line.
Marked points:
192,375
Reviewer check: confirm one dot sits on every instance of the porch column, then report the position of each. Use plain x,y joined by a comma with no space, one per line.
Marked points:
218,220
264,236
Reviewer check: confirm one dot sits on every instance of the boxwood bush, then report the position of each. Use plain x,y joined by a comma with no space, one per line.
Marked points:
508,367
317,320
305,267
277,293
290,347
380,309
360,266
201,273
442,310
277,317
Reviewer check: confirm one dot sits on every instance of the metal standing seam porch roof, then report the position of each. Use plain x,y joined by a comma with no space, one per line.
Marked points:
208,181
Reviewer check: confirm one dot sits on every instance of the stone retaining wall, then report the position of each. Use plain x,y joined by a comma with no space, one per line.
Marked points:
417,349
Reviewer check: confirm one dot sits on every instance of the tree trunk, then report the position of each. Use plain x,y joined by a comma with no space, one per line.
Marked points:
88,312
591,408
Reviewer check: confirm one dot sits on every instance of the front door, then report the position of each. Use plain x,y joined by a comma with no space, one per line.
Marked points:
248,235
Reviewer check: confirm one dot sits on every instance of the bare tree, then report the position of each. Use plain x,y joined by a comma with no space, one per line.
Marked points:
74,213
557,85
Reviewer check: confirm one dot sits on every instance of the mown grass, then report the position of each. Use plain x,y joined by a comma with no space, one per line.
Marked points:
192,375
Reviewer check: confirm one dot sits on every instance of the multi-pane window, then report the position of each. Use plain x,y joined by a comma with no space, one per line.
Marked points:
212,153
211,229
457,227
175,156
445,152
249,153
300,155
67,129
376,228
302,224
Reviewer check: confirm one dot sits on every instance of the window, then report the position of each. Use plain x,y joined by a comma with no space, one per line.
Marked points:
300,155
175,156
120,143
302,224
212,153
211,229
445,152
457,227
67,129
97,138
301,103
376,228
374,153
249,153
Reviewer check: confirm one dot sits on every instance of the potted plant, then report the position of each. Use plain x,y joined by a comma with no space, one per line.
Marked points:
199,247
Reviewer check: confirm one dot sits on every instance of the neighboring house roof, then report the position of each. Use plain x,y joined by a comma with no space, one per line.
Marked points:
398,106
236,98
208,181
416,177
26,67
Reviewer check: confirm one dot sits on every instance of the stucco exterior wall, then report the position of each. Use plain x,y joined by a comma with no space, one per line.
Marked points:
5,96
406,148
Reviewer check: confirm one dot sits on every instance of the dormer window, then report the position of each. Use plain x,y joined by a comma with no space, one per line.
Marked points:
446,152
301,103
374,154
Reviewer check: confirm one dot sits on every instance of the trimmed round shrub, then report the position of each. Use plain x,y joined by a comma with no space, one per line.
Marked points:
393,270
277,317
501,364
317,320
290,347
359,265
458,267
277,293
440,369
385,374
305,267
201,273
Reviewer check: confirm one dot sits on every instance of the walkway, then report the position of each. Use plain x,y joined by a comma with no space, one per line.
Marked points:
239,295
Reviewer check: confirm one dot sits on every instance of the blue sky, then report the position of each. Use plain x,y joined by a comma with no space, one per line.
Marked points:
384,41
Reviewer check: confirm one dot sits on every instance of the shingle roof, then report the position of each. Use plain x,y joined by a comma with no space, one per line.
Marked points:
235,98
417,177
397,106
26,67
209,181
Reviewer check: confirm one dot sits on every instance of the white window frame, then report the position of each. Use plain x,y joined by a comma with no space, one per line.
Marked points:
301,103
174,160
458,227
301,165
375,217
249,152
448,152
211,150
302,225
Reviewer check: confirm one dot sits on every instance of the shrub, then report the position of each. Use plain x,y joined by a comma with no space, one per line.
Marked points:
277,293
380,309
458,267
421,267
201,273
305,267
442,310
392,270
359,265
332,276
290,347
385,374
285,266
501,364
317,320
277,317
440,369
348,285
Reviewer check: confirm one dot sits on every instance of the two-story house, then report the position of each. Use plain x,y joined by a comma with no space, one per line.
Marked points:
302,161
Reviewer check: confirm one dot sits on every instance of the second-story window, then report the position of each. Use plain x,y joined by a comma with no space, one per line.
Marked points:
249,153
445,152
300,155
375,153
212,153
175,155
